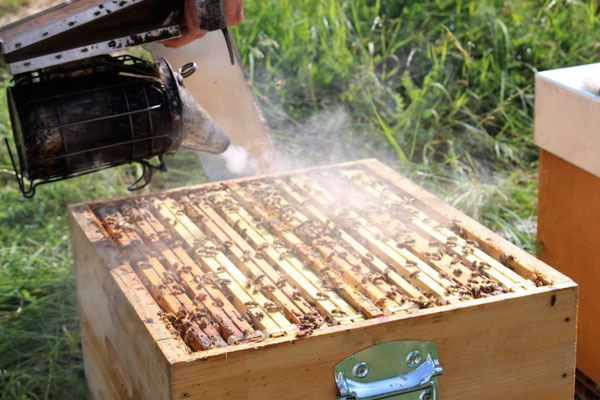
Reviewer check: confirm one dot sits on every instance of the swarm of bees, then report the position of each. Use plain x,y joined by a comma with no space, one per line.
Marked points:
379,267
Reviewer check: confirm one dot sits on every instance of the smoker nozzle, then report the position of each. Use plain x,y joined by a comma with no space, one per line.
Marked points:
200,131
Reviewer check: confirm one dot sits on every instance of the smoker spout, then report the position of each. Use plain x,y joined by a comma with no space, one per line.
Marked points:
200,131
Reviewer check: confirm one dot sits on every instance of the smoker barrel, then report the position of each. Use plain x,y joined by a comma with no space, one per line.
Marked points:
81,117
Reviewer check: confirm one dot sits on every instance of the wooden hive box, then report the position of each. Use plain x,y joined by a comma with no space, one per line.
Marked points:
567,115
258,288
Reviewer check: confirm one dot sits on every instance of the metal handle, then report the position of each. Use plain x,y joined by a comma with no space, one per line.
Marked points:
212,17
402,370
148,171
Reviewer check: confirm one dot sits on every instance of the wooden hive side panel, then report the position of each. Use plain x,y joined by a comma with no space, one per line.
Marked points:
127,348
520,346
569,234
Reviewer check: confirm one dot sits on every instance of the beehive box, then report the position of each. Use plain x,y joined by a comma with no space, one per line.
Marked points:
567,115
257,288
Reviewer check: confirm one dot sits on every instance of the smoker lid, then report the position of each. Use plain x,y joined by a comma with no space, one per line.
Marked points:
80,29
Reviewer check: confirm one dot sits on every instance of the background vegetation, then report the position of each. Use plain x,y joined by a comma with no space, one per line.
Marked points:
441,90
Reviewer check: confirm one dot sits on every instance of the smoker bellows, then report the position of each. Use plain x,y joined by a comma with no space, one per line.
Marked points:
259,287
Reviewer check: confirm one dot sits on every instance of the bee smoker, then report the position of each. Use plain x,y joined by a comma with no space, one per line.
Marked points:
102,112
76,110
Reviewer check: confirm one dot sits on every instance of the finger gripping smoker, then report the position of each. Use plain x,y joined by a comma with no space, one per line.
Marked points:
74,113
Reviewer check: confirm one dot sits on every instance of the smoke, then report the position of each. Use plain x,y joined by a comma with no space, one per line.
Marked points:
326,137
238,160
235,162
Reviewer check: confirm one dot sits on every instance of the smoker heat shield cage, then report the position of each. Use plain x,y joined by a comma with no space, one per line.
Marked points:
85,116
258,288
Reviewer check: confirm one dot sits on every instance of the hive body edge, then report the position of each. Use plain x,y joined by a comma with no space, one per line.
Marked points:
121,332
509,346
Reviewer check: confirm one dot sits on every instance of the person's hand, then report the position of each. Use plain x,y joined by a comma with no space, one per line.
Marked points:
234,10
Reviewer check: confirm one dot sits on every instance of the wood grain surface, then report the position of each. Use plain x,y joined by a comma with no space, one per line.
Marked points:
516,347
127,348
569,238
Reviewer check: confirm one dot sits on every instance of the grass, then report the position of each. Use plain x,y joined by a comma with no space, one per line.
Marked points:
441,90
9,6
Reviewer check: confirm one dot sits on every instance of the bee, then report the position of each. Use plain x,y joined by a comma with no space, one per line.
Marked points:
377,278
411,263
177,289
422,303
279,242
413,274
436,256
407,243
259,315
218,302
330,256
186,269
321,296
296,295
224,281
539,278
268,288
466,250
457,272
247,316
451,241
203,323
506,259
281,281
251,304
259,278
380,302
304,333
392,292
271,307
145,280
263,246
